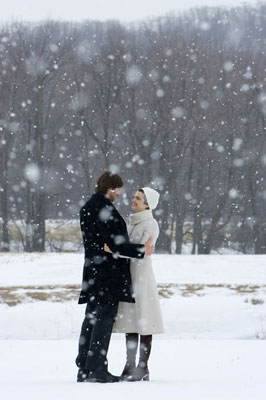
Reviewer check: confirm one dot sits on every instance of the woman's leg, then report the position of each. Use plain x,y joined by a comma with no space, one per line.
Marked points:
145,350
142,371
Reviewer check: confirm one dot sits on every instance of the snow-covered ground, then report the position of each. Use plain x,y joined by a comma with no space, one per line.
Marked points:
207,297
180,369
214,310
65,268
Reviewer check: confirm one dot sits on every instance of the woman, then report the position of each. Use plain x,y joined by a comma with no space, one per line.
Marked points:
143,317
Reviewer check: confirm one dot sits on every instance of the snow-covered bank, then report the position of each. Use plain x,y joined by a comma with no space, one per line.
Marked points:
187,370
217,314
210,297
64,268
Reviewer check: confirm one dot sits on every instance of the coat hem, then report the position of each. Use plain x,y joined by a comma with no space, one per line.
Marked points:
139,332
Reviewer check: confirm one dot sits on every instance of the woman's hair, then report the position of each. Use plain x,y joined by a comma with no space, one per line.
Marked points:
145,199
106,181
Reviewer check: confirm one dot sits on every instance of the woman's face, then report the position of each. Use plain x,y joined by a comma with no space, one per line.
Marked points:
138,202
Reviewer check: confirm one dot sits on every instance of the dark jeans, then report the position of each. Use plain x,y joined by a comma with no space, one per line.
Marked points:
95,336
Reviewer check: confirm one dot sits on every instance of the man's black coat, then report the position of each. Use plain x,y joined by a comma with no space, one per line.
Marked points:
106,277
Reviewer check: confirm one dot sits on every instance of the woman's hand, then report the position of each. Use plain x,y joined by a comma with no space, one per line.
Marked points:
149,248
107,249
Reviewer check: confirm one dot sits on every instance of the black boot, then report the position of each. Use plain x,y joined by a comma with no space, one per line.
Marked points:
102,376
142,370
141,373
82,375
131,346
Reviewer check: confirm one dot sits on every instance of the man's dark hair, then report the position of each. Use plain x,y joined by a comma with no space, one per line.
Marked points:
108,181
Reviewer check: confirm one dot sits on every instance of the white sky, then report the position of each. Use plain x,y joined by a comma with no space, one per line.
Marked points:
125,10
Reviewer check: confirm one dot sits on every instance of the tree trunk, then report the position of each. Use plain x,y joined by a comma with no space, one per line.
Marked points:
4,206
260,238
39,224
164,241
4,203
179,224
197,232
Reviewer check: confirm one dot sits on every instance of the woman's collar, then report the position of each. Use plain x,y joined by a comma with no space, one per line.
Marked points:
140,217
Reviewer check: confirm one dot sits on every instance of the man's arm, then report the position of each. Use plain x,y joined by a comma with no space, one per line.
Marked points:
109,231
149,248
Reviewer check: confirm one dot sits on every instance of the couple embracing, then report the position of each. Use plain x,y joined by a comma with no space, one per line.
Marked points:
118,283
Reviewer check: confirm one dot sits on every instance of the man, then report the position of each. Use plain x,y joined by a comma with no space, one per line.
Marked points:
106,276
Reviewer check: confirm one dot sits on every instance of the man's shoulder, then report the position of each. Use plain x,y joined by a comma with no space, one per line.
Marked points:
95,204
96,198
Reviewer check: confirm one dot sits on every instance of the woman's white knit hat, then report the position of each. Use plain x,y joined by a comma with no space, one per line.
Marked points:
152,197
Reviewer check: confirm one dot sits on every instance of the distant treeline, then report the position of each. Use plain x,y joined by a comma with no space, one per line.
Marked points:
177,102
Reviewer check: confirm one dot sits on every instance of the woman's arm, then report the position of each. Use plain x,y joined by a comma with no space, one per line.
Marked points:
151,229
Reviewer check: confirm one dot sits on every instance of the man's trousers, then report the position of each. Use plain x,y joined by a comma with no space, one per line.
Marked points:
95,337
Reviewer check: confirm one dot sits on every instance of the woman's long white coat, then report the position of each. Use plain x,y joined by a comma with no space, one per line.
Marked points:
144,316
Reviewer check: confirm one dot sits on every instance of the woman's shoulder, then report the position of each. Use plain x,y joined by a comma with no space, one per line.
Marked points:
151,223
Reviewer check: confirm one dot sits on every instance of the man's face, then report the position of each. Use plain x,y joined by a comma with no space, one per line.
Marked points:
112,194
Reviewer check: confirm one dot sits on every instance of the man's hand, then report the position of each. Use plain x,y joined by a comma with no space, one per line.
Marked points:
149,248
107,249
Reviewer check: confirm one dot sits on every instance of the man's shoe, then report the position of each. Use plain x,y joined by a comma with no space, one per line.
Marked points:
82,376
102,377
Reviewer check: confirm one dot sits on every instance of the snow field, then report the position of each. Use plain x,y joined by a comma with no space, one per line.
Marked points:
211,297
186,369
214,315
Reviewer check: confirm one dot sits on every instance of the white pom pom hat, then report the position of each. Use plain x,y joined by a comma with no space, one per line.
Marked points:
152,197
